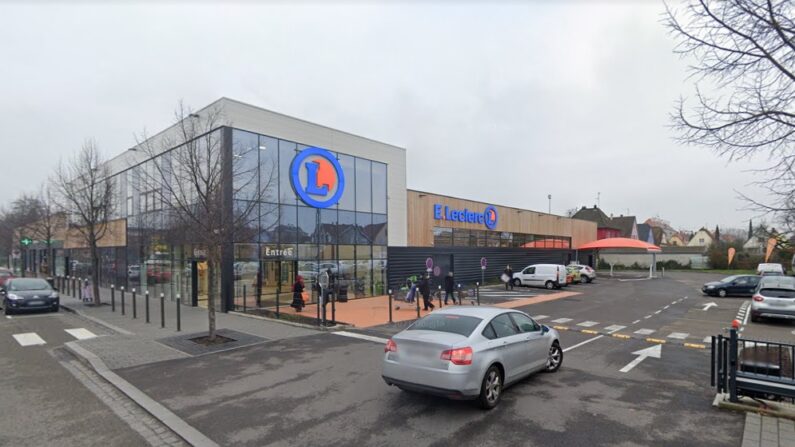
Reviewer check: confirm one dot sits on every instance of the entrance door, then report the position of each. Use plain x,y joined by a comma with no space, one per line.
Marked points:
286,274
202,283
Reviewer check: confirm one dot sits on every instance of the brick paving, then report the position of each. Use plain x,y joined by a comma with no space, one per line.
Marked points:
767,431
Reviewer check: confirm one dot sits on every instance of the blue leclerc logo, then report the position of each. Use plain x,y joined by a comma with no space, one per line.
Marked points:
317,177
490,217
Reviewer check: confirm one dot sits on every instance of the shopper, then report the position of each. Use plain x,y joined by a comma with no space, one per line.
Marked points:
508,277
449,287
425,290
298,294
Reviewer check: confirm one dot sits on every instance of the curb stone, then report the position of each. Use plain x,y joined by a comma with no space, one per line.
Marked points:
187,432
71,309
339,326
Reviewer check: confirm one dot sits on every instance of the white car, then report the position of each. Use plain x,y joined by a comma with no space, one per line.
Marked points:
551,276
769,269
586,272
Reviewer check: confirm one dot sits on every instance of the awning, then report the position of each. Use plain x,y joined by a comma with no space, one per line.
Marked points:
620,242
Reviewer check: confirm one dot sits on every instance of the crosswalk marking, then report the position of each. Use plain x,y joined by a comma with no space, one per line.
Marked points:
540,317
562,320
29,339
80,333
644,331
588,323
708,339
678,335
614,328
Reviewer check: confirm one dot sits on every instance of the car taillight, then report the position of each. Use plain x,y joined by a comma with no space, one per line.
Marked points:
459,356
759,298
391,346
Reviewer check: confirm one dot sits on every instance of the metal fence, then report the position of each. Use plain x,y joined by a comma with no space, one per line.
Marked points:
752,368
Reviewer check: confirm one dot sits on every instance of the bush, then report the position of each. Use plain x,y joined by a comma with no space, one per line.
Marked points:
672,265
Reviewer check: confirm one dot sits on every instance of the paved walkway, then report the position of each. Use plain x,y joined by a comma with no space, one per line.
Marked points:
766,431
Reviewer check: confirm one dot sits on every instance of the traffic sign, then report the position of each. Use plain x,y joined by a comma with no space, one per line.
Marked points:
323,280
429,263
483,262
437,271
26,241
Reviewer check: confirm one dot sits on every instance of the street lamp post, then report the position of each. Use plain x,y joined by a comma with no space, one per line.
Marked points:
549,197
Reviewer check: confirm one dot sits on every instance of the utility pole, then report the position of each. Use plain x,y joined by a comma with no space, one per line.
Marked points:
549,196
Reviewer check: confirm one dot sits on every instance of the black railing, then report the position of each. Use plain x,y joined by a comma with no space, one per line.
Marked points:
752,368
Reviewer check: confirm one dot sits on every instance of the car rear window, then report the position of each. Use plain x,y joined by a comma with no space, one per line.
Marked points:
454,324
22,284
778,293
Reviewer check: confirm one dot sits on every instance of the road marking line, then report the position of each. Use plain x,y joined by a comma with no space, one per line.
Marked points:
655,313
562,320
694,345
656,340
674,302
644,331
614,328
588,323
636,322
707,339
666,307
561,328
624,336
647,317
583,343
540,317
80,333
29,339
589,331
678,335
361,336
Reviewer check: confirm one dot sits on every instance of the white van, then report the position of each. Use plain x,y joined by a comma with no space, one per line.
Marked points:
551,276
769,269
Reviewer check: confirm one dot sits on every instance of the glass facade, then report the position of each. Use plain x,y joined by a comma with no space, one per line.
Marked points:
458,237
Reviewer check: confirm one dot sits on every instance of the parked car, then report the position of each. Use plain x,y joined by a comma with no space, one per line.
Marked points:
21,294
774,298
736,285
767,269
551,276
470,353
587,274
574,273
5,275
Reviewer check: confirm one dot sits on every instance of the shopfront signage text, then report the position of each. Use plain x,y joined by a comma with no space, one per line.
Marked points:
317,177
488,217
284,252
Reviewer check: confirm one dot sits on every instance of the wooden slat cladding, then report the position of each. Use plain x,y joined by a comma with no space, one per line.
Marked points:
421,220
115,236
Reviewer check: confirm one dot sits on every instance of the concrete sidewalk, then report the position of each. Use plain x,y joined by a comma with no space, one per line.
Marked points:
766,431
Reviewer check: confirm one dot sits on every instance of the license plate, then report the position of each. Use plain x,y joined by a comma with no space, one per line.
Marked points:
35,303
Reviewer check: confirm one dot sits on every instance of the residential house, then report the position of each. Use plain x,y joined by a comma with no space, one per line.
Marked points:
702,238
678,239
607,227
627,225
646,234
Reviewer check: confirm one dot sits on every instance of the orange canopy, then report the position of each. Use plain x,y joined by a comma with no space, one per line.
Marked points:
619,242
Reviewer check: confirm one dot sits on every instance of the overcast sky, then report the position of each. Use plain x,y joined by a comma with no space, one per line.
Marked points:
503,104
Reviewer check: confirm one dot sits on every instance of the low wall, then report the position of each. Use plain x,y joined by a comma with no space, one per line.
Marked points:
644,259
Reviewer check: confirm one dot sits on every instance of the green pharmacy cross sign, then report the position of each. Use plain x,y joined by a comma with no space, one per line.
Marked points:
26,241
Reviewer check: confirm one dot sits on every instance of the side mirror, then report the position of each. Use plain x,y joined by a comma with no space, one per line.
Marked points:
544,329
55,289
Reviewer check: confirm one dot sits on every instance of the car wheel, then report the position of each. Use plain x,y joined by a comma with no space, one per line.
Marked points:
555,357
722,293
56,308
490,388
517,283
8,311
755,319
588,279
549,285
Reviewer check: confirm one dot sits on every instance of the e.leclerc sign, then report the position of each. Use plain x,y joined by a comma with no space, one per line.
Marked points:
488,217
317,177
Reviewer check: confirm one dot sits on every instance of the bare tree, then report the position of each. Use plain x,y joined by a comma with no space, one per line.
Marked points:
48,223
84,192
746,50
21,213
190,177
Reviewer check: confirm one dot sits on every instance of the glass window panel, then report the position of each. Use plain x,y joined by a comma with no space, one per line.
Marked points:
442,237
364,187
346,252
506,239
328,226
268,169
477,238
307,223
307,251
346,228
268,222
492,239
378,232
379,252
364,223
460,237
246,218
287,151
348,199
379,188
288,224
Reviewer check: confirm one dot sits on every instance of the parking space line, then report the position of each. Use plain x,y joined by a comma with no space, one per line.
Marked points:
707,339
647,317
29,339
80,333
540,317
582,343
636,322
666,307
562,320
645,331
678,335
360,336
588,323
614,328
655,313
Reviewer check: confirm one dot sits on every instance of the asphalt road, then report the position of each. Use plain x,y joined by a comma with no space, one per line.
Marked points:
43,403
327,389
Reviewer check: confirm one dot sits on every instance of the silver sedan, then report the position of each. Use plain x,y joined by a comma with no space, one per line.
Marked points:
470,353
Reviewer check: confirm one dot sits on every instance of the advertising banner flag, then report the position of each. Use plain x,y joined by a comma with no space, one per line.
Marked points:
771,244
732,252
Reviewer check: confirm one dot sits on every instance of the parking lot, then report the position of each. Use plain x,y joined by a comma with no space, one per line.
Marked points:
326,388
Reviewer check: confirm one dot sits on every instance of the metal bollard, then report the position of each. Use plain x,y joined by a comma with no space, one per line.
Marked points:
390,305
162,310
134,305
123,308
179,321
146,299
112,298
333,309
477,292
277,305
417,299
244,298
80,290
439,294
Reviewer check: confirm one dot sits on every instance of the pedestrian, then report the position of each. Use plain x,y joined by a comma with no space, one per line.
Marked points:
412,293
449,287
87,292
425,290
298,294
508,277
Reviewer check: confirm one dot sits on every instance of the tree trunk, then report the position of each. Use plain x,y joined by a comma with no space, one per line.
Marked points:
95,274
211,295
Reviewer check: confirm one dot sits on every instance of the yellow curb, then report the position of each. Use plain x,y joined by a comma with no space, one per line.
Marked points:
588,331
695,346
624,336
561,328
655,340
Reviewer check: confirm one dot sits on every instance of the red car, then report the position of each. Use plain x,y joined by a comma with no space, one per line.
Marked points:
5,274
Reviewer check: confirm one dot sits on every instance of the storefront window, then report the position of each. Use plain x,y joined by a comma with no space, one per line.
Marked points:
328,226
307,223
379,188
348,199
442,237
268,222
460,237
247,219
364,222
288,224
363,186
268,168
346,229
287,151
378,233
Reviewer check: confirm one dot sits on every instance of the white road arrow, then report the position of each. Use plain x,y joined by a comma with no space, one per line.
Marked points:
654,351
708,305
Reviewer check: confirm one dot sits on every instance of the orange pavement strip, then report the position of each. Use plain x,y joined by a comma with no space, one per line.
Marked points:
368,312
